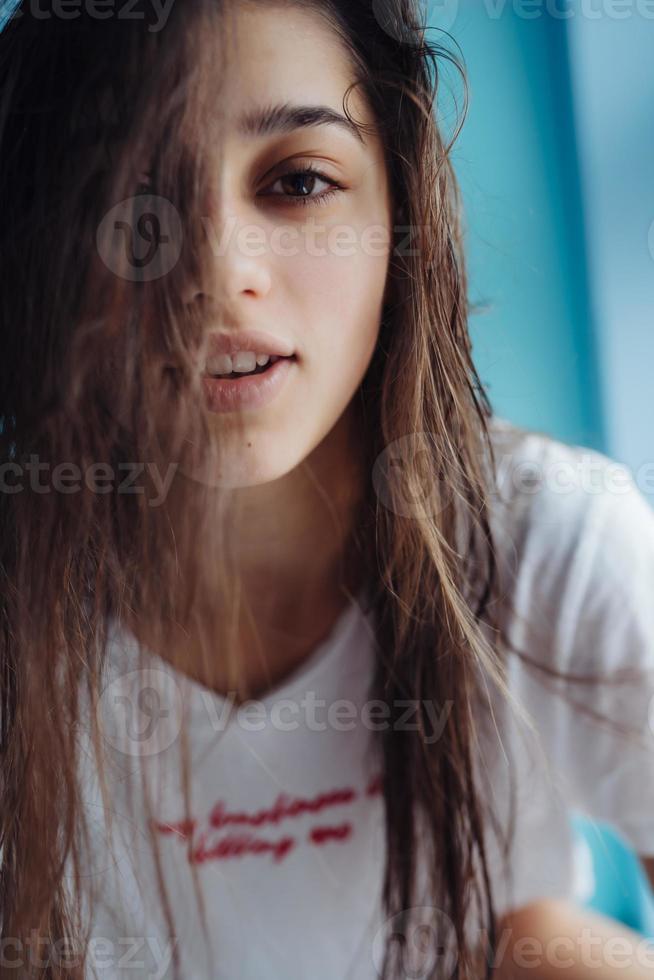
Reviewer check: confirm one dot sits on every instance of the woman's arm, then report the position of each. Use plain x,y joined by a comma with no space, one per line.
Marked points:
556,939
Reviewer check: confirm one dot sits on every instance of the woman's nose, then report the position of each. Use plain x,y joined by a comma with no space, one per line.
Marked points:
236,261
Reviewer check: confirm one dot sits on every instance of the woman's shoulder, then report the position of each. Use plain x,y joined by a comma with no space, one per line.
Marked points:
531,464
555,497
574,535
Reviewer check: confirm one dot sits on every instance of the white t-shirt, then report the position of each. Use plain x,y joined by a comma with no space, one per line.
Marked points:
287,832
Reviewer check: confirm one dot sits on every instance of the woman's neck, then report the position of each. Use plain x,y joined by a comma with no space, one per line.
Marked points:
296,570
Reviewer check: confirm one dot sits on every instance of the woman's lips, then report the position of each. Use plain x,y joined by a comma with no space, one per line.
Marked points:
251,392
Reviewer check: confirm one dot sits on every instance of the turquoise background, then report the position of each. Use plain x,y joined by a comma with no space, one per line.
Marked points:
562,262
621,889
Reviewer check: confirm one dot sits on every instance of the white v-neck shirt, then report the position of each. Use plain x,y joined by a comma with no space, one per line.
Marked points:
287,831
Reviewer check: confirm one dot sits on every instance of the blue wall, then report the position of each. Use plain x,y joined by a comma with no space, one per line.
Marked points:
613,82
516,160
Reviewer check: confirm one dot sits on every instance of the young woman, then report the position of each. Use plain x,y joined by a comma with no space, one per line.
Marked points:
302,674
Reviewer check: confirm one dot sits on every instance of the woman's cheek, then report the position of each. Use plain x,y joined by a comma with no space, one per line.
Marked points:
345,336
344,286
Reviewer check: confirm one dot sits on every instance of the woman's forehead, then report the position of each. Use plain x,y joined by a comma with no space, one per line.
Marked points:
294,53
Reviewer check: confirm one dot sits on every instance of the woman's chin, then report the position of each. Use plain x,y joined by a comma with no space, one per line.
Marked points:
242,466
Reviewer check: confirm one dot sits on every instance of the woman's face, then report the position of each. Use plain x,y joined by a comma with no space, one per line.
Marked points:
305,258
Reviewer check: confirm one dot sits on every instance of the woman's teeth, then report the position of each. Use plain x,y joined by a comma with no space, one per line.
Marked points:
242,362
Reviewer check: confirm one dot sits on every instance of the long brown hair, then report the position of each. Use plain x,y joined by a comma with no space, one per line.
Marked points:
97,368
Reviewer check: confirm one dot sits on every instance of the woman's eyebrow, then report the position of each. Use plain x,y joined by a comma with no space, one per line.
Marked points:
285,117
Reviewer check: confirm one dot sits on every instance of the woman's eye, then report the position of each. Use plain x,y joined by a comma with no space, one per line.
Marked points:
298,186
